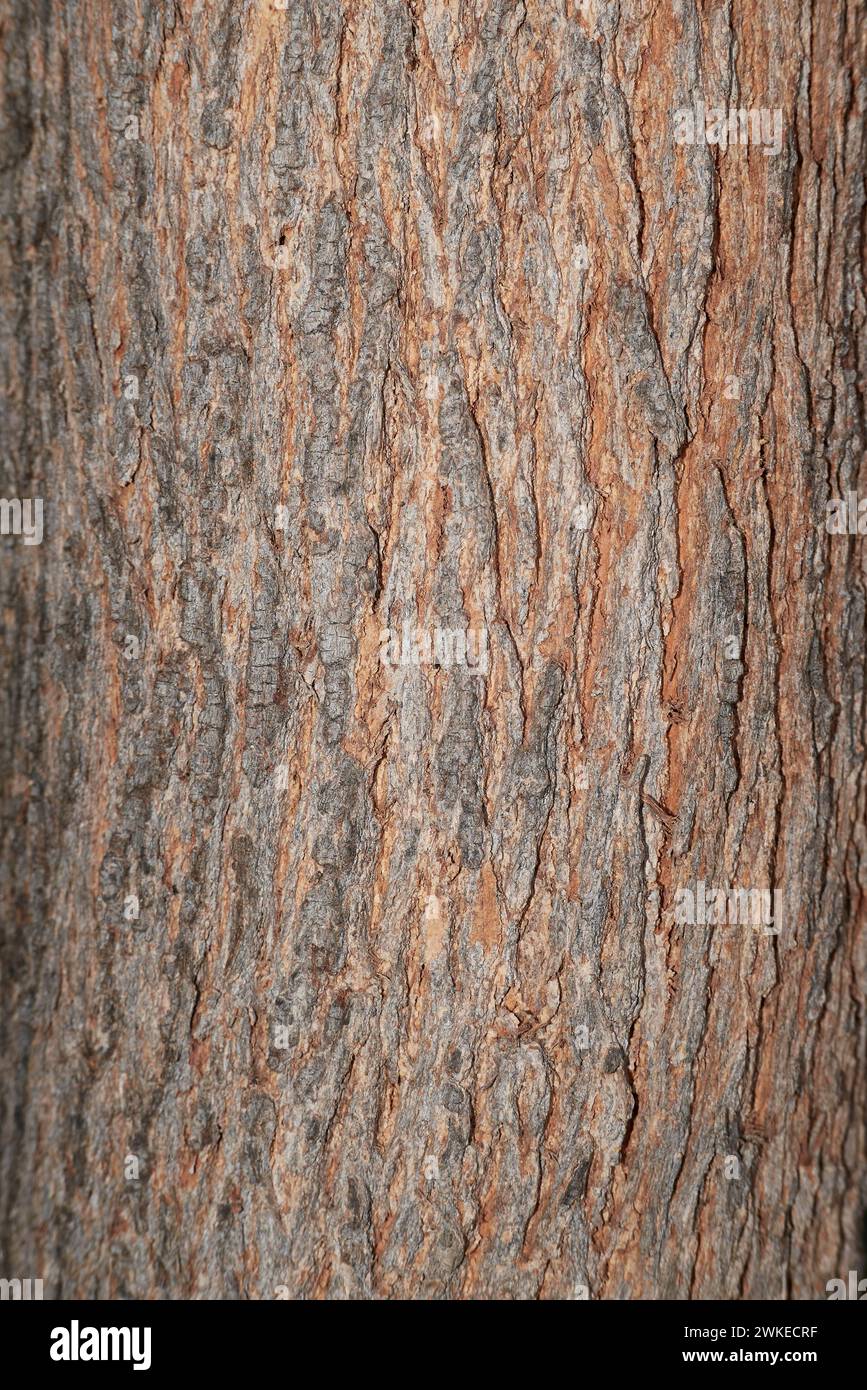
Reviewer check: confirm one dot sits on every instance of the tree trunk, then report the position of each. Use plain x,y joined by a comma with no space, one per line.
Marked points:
436,605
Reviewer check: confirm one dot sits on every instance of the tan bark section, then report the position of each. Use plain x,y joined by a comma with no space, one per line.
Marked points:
334,329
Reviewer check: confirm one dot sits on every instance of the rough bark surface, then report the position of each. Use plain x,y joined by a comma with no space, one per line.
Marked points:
406,1010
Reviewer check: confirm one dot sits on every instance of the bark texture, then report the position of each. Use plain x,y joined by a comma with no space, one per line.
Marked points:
331,977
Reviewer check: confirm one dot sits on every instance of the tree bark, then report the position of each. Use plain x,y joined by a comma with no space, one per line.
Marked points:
436,588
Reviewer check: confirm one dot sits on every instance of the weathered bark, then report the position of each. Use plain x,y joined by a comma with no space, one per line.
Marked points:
406,1011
